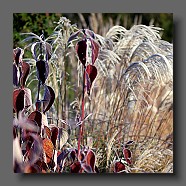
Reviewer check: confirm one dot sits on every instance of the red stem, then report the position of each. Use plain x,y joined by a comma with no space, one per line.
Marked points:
82,114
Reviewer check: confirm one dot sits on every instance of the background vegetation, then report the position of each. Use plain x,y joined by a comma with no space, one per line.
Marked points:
33,22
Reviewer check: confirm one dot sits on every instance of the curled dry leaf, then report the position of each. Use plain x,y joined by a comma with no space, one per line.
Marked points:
49,97
25,69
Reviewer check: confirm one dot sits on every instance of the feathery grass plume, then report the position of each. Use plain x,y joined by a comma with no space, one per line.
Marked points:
150,157
136,94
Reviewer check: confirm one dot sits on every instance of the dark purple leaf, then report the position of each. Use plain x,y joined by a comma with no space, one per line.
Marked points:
21,99
18,100
16,75
73,36
81,48
25,69
73,154
85,32
17,55
95,50
49,97
14,132
129,143
90,159
96,169
62,156
42,70
119,166
75,167
34,49
81,156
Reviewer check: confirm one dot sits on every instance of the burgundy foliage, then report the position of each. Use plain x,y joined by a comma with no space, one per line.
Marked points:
25,69
42,70
90,159
81,49
18,100
75,167
17,55
92,73
118,167
127,154
16,75
54,135
36,116
49,97
95,50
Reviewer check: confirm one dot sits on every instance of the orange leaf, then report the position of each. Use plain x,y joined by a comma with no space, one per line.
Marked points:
48,147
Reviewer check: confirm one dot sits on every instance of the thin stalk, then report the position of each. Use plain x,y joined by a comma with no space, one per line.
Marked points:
82,114
38,90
